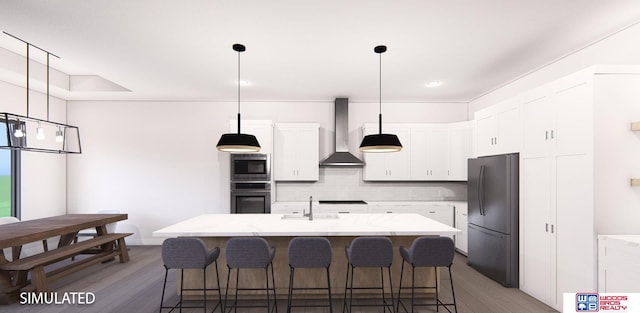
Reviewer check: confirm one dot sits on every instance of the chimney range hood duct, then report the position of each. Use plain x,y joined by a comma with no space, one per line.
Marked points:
341,156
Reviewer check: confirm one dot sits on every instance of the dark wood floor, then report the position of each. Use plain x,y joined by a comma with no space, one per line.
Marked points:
136,287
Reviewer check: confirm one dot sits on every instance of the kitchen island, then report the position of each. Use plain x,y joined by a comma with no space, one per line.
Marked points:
278,229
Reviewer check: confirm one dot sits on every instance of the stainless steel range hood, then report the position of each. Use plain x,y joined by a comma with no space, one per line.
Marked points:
341,156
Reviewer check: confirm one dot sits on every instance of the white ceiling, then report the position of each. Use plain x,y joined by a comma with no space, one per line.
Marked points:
309,50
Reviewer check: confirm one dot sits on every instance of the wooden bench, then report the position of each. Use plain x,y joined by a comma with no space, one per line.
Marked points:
35,264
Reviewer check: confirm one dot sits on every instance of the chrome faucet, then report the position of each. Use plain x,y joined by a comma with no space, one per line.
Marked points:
310,215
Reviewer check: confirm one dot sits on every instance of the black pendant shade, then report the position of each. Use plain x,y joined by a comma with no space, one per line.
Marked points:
380,142
238,142
234,142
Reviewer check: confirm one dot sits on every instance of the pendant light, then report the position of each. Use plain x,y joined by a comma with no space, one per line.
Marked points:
67,139
238,142
380,142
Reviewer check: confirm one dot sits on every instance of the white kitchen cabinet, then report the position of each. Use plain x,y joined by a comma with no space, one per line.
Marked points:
461,223
262,129
498,128
440,212
289,208
557,117
342,208
459,148
618,259
296,152
392,166
574,183
429,152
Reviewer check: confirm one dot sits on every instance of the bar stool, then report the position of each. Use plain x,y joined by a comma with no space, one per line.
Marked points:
369,252
309,252
184,252
428,252
250,252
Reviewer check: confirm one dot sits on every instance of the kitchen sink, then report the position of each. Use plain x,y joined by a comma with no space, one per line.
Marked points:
326,216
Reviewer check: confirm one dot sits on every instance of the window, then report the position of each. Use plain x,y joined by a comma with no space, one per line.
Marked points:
9,161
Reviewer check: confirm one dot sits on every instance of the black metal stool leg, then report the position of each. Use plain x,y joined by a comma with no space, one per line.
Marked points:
290,293
166,273
453,294
235,301
384,300
435,270
329,291
204,288
391,290
219,290
273,283
346,284
400,286
351,290
181,287
266,276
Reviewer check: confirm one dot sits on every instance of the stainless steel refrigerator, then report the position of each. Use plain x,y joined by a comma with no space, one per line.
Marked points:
492,193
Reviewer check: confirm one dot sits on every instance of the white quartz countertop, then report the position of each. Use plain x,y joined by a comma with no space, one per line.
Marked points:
632,239
270,225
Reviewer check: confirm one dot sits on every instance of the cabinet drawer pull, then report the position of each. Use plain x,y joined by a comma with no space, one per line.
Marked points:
552,228
432,211
552,134
464,214
546,135
343,212
546,227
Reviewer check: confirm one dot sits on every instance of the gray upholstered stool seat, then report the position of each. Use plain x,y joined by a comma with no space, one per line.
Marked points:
428,252
189,253
250,252
369,252
309,252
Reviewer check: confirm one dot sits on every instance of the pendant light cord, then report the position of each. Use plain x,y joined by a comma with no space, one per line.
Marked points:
380,96
238,92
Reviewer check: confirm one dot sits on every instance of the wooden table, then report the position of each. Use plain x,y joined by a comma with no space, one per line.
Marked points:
16,235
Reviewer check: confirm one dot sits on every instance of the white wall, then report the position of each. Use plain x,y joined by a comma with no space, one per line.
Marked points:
157,161
617,154
620,48
43,174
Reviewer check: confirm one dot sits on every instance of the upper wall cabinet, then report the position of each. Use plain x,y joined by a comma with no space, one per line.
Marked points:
262,129
429,152
392,166
459,146
558,117
296,152
498,128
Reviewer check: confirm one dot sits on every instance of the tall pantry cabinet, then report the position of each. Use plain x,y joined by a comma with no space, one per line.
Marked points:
558,188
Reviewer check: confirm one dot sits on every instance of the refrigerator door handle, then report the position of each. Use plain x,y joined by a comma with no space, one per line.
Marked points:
481,190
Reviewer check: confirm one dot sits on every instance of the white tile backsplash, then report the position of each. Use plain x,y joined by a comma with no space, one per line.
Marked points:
346,183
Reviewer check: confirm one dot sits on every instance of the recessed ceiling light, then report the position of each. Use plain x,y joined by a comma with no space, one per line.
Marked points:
433,84
243,83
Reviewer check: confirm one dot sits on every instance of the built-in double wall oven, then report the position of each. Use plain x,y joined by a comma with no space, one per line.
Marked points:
250,183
